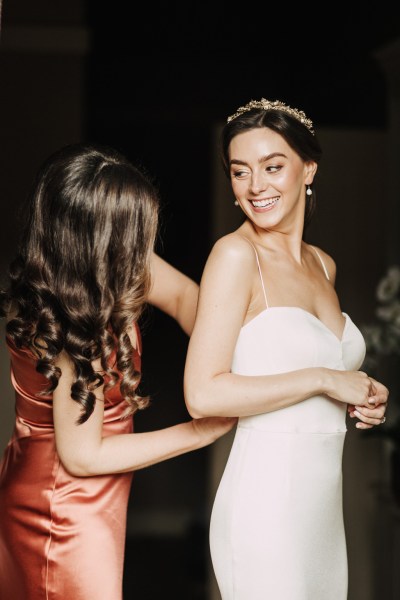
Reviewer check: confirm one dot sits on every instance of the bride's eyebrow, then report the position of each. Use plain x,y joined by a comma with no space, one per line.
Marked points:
272,155
237,161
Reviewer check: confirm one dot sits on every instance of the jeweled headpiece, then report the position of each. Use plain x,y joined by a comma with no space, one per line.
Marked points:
274,105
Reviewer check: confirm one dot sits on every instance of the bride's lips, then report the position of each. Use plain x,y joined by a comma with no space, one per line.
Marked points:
264,204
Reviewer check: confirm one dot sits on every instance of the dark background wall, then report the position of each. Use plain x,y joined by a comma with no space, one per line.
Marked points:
157,82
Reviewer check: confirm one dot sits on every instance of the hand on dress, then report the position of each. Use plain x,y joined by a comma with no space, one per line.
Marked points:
210,429
372,413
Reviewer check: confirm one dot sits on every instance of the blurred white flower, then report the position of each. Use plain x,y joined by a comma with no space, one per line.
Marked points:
389,285
382,337
389,312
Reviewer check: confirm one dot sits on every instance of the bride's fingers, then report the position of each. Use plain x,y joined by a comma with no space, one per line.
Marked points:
369,416
361,425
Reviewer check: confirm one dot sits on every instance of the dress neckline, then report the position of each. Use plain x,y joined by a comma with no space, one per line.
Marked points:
306,312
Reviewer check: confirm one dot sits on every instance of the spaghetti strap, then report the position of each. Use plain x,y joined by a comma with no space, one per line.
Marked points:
321,261
259,269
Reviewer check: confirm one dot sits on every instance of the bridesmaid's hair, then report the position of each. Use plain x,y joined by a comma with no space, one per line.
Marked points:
297,135
81,276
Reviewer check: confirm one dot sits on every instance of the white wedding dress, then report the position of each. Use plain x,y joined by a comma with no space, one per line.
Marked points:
277,529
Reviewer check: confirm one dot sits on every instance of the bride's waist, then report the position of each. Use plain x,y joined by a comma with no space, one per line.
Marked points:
318,414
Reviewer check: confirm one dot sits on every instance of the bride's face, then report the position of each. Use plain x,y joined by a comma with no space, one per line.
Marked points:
268,178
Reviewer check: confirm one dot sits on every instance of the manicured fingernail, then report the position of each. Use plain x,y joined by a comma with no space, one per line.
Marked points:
357,414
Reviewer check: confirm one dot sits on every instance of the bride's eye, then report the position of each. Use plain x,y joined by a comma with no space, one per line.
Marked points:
239,174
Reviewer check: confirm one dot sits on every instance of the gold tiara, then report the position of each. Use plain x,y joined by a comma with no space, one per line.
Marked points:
275,105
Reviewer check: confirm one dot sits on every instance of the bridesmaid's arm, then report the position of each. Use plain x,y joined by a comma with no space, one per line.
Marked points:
210,387
82,448
85,452
174,293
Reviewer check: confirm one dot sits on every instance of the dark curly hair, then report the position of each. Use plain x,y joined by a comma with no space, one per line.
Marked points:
81,275
299,138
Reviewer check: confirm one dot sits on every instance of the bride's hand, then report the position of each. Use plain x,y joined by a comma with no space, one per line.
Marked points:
351,387
373,412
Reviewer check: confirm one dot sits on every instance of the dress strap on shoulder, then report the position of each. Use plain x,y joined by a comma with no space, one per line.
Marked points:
259,269
322,262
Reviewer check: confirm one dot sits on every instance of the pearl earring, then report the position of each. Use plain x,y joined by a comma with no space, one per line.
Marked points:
236,203
308,191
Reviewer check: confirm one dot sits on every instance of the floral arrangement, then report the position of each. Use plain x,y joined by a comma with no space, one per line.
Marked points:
382,338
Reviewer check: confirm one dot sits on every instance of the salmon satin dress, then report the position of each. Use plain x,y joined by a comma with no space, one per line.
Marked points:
61,537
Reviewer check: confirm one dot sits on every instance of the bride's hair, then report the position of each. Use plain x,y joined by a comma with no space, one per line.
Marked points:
81,275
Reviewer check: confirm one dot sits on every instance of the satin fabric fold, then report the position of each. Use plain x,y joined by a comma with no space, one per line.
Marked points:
61,537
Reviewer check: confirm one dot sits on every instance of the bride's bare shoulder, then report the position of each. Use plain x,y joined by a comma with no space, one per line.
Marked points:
327,261
235,245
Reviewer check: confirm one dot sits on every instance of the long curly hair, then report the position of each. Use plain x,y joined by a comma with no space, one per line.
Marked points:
299,138
81,275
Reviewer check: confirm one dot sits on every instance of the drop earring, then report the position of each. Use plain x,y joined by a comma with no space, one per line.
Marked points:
236,203
308,191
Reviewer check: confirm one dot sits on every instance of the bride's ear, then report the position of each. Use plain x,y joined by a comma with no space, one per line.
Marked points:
310,170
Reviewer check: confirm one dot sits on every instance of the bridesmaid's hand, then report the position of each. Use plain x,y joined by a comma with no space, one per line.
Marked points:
371,413
210,429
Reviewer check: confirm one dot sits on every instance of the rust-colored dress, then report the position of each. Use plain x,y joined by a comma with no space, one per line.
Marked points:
61,537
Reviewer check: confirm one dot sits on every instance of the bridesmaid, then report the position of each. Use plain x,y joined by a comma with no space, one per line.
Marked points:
84,271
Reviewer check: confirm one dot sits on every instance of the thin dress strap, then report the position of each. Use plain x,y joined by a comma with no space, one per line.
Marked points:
259,269
322,262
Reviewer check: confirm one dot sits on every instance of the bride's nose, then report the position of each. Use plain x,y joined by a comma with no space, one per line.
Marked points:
257,183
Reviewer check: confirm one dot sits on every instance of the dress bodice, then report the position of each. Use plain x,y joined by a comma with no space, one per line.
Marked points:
288,338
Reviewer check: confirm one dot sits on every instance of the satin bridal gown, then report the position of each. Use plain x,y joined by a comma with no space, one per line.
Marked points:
277,530
61,537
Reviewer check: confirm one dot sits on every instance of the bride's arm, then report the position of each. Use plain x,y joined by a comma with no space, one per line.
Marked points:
210,387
